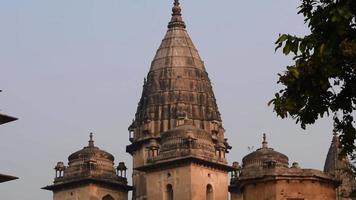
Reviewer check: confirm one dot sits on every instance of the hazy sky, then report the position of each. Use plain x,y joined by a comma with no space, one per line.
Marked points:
69,67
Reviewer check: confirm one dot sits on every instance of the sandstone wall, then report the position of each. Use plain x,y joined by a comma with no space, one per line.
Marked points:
89,192
189,182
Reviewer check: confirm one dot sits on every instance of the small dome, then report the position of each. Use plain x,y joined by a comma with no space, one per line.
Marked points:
90,152
89,165
90,161
265,156
184,140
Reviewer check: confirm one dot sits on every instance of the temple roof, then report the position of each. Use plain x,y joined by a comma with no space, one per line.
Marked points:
332,161
91,151
88,165
263,156
177,85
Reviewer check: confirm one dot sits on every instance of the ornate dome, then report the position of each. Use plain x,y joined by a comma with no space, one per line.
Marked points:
90,151
89,165
264,157
89,162
187,140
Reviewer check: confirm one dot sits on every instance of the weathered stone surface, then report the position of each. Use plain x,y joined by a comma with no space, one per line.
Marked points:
264,157
177,86
91,175
177,94
189,182
265,174
90,192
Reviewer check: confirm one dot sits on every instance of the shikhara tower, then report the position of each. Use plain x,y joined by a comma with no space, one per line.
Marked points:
177,138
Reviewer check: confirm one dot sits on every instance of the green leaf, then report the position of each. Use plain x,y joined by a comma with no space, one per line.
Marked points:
278,46
294,72
286,49
282,38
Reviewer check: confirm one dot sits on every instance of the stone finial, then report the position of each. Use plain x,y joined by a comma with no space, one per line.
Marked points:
176,20
91,141
264,143
176,9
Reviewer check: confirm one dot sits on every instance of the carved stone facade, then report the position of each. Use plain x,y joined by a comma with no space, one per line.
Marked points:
177,117
189,163
91,175
265,174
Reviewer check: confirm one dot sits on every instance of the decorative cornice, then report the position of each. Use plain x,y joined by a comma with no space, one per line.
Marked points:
183,161
84,181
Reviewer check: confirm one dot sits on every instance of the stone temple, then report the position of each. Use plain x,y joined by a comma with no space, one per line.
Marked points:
178,146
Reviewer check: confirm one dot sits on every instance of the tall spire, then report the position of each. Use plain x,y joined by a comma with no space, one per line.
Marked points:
177,89
176,20
177,84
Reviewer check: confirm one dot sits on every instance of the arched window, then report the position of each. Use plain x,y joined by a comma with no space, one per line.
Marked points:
209,192
169,192
108,197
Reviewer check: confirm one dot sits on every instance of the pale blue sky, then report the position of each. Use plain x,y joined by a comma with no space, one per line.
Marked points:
69,67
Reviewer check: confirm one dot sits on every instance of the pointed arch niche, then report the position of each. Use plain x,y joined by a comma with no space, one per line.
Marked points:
209,192
108,197
169,192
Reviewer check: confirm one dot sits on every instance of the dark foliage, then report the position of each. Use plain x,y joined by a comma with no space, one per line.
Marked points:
322,80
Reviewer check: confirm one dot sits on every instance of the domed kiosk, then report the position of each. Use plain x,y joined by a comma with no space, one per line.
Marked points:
268,170
91,175
264,157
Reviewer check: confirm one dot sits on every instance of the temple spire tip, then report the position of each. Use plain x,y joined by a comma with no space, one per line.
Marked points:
264,142
176,20
91,141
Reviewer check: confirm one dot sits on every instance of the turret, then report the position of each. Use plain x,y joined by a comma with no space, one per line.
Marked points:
90,174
